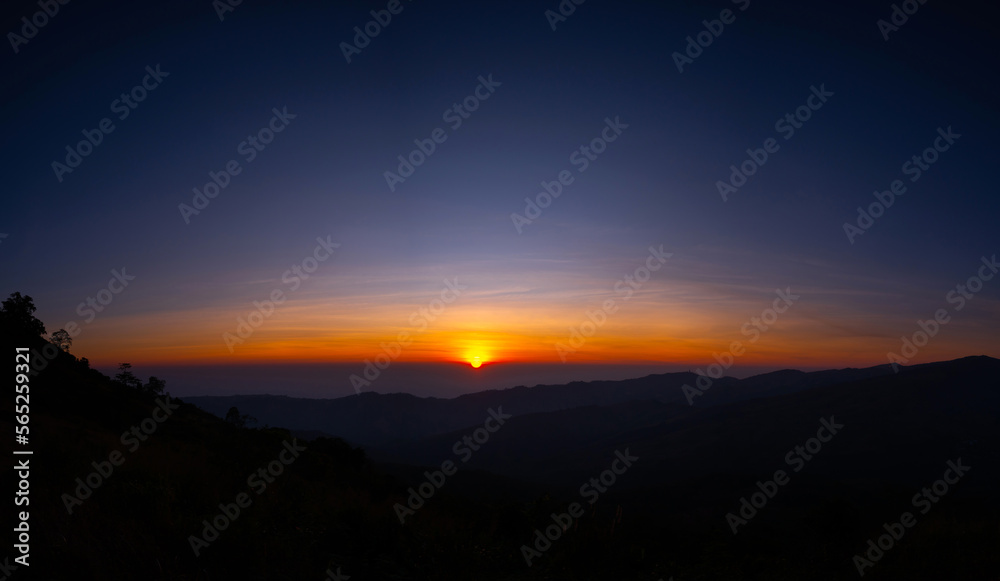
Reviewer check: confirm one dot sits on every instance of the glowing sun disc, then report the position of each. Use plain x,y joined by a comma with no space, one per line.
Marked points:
476,362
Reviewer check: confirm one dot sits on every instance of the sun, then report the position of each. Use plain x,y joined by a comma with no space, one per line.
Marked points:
476,353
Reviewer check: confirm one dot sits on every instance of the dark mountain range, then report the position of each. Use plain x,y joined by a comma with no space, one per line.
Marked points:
381,419
895,434
933,409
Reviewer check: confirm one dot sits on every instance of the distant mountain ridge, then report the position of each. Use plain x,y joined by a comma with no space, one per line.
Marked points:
372,419
894,424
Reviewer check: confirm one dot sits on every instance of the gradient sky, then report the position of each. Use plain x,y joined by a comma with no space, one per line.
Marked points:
322,176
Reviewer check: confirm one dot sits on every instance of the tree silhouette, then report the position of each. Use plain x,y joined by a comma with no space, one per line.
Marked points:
61,339
155,386
234,417
19,311
126,377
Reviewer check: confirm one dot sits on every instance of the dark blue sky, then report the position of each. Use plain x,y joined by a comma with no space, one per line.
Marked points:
323,175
